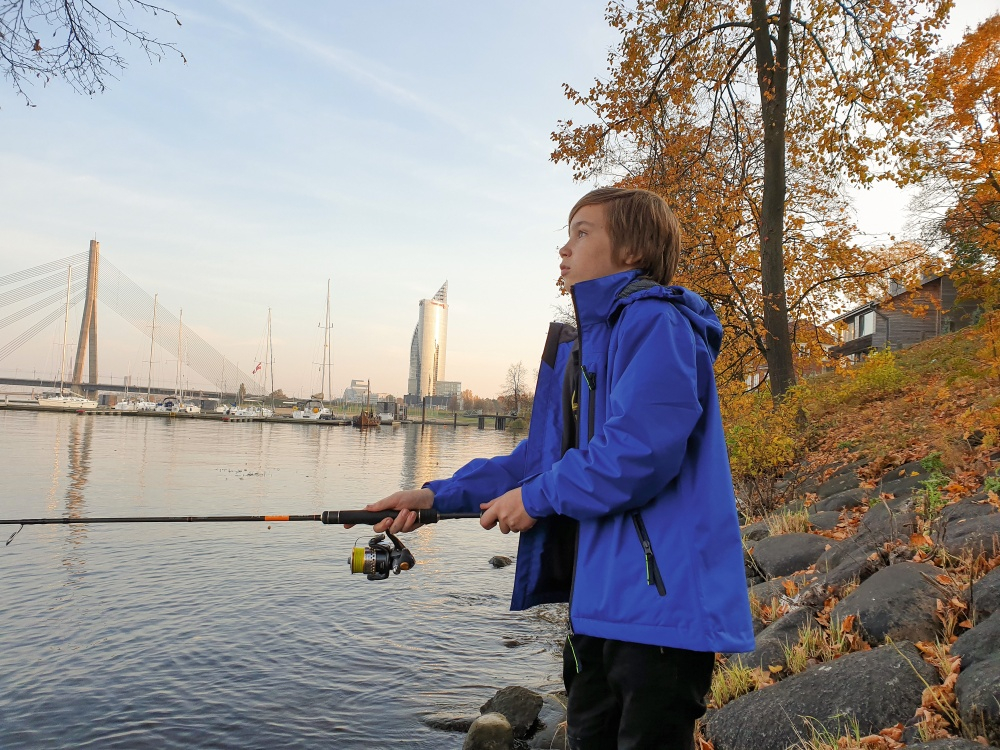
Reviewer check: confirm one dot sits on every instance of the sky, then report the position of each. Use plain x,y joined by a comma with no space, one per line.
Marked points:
386,146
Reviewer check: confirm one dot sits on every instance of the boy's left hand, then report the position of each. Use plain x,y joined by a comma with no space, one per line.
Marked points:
507,511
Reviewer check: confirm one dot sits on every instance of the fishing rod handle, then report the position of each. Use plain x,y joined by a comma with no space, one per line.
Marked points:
372,517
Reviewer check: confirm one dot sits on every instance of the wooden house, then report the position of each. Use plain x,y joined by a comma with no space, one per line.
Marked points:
905,318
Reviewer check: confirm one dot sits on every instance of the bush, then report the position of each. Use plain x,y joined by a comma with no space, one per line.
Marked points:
877,377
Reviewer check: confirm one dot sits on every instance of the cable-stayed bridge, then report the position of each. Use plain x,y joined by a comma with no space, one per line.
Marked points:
33,299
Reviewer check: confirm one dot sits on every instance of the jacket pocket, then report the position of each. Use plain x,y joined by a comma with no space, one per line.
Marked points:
653,577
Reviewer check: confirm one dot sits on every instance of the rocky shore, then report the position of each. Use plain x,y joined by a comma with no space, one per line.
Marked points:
874,591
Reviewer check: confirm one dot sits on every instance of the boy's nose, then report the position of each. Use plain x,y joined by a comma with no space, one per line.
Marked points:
564,250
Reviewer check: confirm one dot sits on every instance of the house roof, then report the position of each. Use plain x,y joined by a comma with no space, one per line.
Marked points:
924,281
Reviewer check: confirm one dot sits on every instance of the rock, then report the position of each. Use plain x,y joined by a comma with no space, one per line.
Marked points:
500,561
952,743
975,535
551,731
489,732
845,478
755,531
978,693
885,522
519,705
847,499
898,602
787,553
982,643
830,696
983,596
911,470
775,588
825,519
447,722
772,640
853,568
966,508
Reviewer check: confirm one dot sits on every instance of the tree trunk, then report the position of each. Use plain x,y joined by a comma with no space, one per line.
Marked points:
772,78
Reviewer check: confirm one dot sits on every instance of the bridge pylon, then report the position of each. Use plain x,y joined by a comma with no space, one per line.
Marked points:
88,324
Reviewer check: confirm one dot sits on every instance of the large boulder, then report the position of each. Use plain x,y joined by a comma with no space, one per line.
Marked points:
885,522
978,693
754,531
898,602
445,722
785,554
489,732
827,697
772,641
519,705
551,731
847,499
775,588
844,478
983,596
825,520
980,534
982,643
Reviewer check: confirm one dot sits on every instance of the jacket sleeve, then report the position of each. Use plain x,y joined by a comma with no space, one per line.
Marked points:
479,481
653,410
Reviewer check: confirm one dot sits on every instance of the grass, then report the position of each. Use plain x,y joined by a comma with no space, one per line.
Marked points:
732,680
817,644
788,521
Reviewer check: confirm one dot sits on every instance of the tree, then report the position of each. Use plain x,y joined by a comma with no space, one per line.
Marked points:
514,388
956,157
720,101
72,40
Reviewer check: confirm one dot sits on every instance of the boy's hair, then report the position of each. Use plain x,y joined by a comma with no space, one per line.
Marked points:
640,224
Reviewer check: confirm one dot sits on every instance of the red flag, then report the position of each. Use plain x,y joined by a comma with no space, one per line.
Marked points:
259,364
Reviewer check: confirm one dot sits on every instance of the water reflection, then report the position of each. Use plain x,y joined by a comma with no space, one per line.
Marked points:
78,448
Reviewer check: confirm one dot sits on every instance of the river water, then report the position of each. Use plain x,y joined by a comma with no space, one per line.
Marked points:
244,635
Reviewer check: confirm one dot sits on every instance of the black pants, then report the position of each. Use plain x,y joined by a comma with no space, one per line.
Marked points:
628,696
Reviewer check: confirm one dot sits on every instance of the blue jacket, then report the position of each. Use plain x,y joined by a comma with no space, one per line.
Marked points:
626,469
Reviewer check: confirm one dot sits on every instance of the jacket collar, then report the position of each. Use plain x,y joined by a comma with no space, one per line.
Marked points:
596,299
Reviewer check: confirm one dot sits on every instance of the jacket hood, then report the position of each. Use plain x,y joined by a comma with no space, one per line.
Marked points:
602,299
699,314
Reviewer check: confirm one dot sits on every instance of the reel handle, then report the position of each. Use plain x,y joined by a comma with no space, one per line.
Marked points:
371,517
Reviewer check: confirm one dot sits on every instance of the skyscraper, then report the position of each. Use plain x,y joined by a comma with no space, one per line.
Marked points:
429,346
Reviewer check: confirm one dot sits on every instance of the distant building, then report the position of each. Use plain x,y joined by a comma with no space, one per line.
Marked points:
357,392
428,349
905,318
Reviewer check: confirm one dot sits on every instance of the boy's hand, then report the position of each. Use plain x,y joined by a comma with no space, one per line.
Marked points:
405,501
507,511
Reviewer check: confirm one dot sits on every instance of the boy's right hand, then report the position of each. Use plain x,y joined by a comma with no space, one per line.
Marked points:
405,501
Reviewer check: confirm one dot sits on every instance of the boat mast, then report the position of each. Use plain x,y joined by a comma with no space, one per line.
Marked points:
329,347
152,334
270,349
180,329
62,365
326,380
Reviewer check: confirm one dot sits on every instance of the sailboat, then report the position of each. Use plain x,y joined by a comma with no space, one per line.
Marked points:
175,404
66,400
139,403
314,408
367,417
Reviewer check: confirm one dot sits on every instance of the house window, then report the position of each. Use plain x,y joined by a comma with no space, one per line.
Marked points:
865,324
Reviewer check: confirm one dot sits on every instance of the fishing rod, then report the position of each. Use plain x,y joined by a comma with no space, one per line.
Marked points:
376,560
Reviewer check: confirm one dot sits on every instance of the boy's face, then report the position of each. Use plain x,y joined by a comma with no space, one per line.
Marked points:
588,253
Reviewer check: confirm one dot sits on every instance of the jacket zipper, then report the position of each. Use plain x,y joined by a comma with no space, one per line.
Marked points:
653,577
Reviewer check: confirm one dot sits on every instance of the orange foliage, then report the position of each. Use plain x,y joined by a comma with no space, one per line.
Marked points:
746,118
956,156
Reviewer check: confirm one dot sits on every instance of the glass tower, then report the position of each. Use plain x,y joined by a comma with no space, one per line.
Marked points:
429,346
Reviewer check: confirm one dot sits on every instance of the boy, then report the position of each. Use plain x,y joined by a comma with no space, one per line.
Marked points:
621,492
